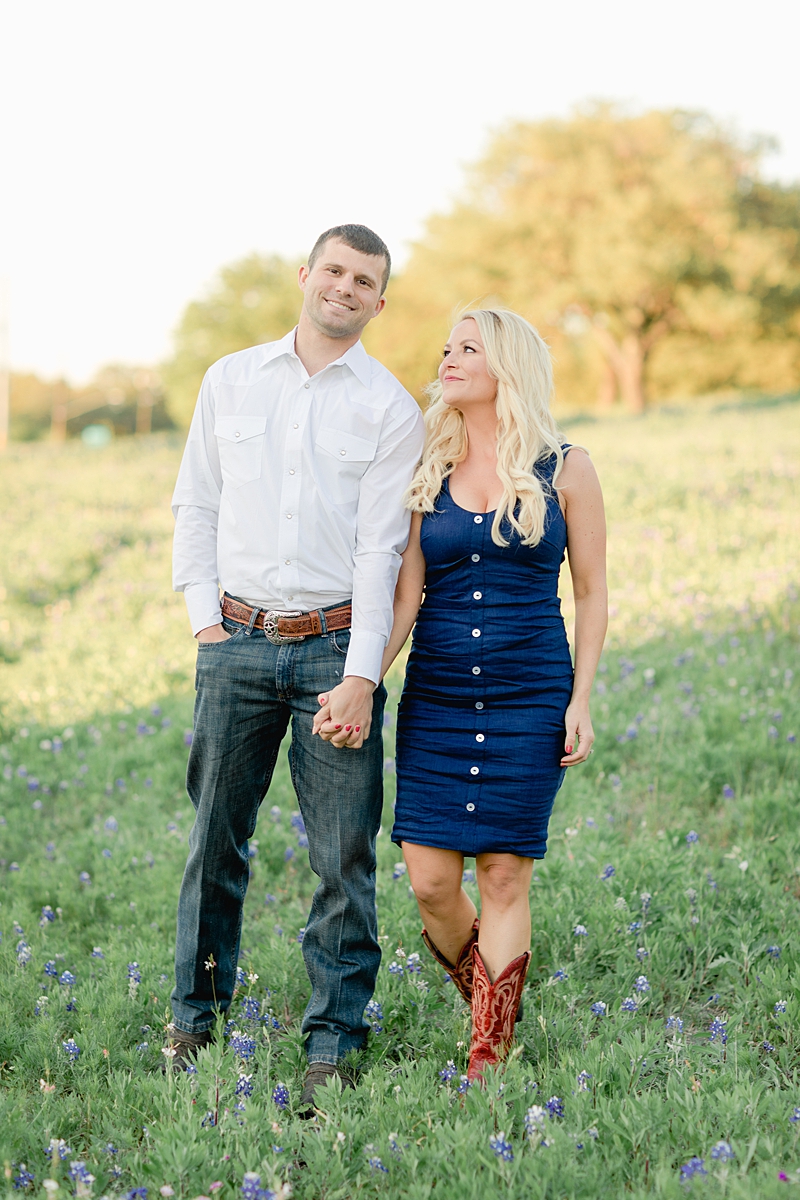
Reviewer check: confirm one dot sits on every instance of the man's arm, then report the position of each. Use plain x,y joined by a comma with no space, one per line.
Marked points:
382,526
195,504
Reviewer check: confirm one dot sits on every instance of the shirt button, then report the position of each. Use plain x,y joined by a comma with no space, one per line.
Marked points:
477,595
288,516
474,770
479,737
291,470
476,558
476,670
476,633
306,386
288,562
479,705
295,426
237,434
470,808
343,452
478,520
290,597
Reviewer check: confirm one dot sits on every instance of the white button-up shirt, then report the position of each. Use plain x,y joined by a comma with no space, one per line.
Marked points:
290,490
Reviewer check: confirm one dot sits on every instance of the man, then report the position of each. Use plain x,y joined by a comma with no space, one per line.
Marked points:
289,497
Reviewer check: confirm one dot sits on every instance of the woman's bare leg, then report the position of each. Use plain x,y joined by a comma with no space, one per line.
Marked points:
504,882
446,910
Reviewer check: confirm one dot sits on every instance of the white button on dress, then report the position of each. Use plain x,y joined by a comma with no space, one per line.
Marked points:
476,558
476,633
474,770
477,595
470,808
476,670
480,737
479,705
478,520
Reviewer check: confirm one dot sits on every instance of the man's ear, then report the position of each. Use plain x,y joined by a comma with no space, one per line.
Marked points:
302,277
379,307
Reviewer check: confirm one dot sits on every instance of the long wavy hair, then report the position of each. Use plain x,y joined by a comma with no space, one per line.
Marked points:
518,358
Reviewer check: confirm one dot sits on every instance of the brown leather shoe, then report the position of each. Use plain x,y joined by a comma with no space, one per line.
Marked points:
185,1047
494,1011
317,1076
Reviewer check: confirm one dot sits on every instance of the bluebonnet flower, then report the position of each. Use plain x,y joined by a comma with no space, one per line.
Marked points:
693,1167
583,1081
642,953
599,1008
629,1005
297,823
501,1147
241,977
58,1146
252,1189
642,984
608,871
40,1007
79,1173
395,968
50,968
615,782
188,737
468,876
559,976
142,1047
121,784
33,784
23,1178
463,1085
774,951
795,1117
85,878
288,854
275,813
250,1009
767,1047
110,1148
634,926
555,1107
67,979
413,964
301,933
728,792
208,1121
394,1144
374,1014
718,1029
111,825
270,899
675,1023
47,916
376,1165
97,953
244,1085
400,869
780,1006
271,1021
591,823
722,1152
280,1095
534,1120
71,1048
24,953
138,1193
302,841
134,974
692,837
580,931
448,1072
242,1045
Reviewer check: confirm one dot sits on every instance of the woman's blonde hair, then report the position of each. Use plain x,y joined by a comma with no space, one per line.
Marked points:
518,358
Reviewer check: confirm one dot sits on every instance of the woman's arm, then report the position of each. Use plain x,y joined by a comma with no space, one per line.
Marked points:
407,596
586,550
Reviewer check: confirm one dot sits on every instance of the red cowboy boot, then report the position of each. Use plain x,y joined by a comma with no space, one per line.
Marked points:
461,973
494,1011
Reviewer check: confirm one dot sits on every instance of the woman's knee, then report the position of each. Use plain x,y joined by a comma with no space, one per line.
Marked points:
505,883
434,877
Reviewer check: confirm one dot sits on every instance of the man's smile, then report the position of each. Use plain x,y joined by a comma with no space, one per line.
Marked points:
338,304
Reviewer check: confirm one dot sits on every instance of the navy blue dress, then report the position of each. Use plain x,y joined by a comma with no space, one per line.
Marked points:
480,728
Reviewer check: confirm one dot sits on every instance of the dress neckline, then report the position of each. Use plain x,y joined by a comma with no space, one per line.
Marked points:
471,512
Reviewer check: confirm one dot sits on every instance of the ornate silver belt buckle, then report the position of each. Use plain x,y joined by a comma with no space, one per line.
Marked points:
271,628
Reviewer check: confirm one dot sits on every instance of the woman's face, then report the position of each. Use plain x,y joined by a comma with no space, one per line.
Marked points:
464,376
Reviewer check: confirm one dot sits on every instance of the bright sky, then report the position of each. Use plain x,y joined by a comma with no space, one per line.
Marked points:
145,144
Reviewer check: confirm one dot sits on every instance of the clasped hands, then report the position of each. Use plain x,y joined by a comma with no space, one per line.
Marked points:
345,715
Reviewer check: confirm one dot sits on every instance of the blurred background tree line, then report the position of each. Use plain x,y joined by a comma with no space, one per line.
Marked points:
648,250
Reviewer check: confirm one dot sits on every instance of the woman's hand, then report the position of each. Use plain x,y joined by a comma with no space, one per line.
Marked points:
580,734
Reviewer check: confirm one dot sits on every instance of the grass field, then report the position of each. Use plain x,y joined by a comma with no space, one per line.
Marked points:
663,999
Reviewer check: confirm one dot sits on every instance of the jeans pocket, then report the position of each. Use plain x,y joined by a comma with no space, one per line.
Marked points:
232,627
340,640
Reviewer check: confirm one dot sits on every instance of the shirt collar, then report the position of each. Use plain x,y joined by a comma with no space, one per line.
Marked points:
356,358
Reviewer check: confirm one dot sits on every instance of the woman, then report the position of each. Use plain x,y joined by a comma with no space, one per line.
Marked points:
492,713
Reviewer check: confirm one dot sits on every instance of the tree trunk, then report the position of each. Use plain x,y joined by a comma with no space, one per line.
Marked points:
58,420
607,391
144,411
631,373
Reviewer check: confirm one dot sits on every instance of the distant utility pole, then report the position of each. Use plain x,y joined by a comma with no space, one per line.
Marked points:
5,369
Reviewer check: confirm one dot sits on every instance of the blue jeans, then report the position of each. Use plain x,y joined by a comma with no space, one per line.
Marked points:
247,692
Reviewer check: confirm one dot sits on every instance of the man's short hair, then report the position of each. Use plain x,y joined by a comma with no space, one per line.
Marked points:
357,237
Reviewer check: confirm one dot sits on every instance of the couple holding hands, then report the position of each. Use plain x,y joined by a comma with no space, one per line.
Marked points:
334,520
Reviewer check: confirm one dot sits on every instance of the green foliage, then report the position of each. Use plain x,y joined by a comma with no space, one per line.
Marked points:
254,300
646,248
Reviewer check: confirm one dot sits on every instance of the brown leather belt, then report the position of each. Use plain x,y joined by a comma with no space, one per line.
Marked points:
292,627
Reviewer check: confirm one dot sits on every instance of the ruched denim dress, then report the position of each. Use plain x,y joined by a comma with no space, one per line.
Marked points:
480,730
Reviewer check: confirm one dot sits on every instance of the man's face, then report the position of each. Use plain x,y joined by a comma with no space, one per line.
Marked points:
342,291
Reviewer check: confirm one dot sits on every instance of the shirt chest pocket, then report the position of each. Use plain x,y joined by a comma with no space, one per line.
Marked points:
241,448
340,461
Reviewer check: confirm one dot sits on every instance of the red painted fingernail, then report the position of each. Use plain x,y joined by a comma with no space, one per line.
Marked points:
569,749
358,729
347,728
338,727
